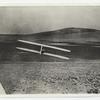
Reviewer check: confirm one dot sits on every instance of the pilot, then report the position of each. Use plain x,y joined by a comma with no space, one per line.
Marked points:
42,50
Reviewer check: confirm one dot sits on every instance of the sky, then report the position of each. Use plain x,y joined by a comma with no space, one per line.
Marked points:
34,19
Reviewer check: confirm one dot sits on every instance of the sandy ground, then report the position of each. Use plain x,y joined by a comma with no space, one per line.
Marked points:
51,77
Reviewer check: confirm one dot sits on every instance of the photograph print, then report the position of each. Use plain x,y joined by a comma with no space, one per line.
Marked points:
49,50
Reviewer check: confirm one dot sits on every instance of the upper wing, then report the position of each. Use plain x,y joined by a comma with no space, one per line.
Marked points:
34,43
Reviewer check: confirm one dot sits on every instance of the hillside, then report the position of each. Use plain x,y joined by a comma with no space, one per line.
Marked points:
72,35
29,73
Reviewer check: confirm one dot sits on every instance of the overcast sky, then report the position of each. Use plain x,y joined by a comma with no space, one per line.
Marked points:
38,19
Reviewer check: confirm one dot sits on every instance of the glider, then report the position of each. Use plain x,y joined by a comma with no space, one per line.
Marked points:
41,50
